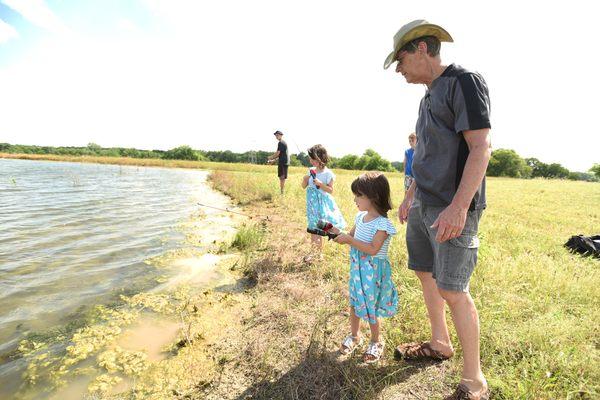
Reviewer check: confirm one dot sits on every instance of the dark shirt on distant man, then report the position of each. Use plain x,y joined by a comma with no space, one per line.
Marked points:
282,148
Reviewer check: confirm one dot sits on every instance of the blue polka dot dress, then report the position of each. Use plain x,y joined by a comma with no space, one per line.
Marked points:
320,204
372,292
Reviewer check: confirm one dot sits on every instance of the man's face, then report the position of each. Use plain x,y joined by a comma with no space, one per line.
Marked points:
278,136
413,66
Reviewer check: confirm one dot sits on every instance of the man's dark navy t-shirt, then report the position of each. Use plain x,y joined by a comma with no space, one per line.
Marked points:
284,158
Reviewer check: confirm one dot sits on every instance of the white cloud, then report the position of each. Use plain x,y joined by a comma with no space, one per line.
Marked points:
7,32
38,13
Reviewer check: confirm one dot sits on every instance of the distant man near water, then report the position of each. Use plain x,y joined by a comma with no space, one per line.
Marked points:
445,202
283,159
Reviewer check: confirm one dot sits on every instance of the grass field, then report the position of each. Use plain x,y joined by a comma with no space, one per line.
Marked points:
539,305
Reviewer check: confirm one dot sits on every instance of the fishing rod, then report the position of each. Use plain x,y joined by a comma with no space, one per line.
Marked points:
233,212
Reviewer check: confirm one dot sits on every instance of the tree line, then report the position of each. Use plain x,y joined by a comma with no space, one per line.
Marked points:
503,162
370,160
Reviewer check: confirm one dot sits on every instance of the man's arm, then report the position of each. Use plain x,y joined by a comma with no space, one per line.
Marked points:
475,167
404,207
451,221
273,156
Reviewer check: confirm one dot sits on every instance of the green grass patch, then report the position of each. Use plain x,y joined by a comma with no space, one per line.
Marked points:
248,237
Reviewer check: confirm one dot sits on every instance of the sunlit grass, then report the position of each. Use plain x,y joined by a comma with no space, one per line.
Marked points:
539,305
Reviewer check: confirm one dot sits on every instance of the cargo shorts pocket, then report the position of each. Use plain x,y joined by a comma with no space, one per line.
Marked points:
460,259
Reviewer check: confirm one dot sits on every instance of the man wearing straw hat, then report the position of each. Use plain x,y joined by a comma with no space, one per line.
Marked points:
444,203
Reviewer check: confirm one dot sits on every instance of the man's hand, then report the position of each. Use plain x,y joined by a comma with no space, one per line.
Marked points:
270,161
450,223
405,208
343,238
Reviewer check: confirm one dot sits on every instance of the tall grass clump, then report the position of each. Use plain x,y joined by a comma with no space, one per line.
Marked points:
248,237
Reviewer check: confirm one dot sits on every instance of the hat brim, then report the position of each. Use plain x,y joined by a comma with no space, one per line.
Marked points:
415,33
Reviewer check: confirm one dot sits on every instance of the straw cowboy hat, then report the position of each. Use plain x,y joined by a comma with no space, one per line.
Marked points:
414,30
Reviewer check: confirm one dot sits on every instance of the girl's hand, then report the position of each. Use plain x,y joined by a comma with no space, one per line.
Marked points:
343,238
317,182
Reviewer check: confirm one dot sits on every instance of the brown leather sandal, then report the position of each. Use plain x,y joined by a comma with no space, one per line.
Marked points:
462,392
418,351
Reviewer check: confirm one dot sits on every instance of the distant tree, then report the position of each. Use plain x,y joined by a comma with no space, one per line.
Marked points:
303,158
556,170
181,153
505,162
294,162
398,165
582,176
347,162
370,160
538,168
94,148
596,170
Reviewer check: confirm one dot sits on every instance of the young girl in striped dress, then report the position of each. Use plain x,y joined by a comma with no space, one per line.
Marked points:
372,292
319,194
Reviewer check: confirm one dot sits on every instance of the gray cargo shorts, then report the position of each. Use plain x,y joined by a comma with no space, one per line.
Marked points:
452,262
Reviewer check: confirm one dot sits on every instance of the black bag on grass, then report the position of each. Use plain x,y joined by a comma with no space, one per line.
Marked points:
584,245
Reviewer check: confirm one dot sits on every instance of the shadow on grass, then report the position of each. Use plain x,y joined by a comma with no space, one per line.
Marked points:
328,376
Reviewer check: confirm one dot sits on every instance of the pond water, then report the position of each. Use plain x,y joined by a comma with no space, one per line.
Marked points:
74,235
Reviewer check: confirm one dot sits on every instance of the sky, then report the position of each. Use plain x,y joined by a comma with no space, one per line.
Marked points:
224,75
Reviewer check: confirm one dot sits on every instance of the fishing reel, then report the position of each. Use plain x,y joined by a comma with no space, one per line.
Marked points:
324,228
313,174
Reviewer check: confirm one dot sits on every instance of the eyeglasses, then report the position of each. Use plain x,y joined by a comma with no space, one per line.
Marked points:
399,57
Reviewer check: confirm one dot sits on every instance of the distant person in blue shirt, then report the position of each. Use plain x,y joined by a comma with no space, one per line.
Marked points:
408,158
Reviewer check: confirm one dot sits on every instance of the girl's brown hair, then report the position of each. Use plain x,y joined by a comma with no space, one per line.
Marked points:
318,152
376,187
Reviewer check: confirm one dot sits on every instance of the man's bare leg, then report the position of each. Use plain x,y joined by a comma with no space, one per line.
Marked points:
436,310
466,322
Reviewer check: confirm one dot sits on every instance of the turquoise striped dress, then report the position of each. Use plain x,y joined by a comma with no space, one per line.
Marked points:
372,291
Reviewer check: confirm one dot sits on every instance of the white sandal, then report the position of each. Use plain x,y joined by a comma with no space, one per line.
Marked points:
374,352
350,344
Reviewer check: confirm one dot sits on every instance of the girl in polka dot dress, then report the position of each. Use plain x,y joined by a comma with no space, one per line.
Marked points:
372,292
